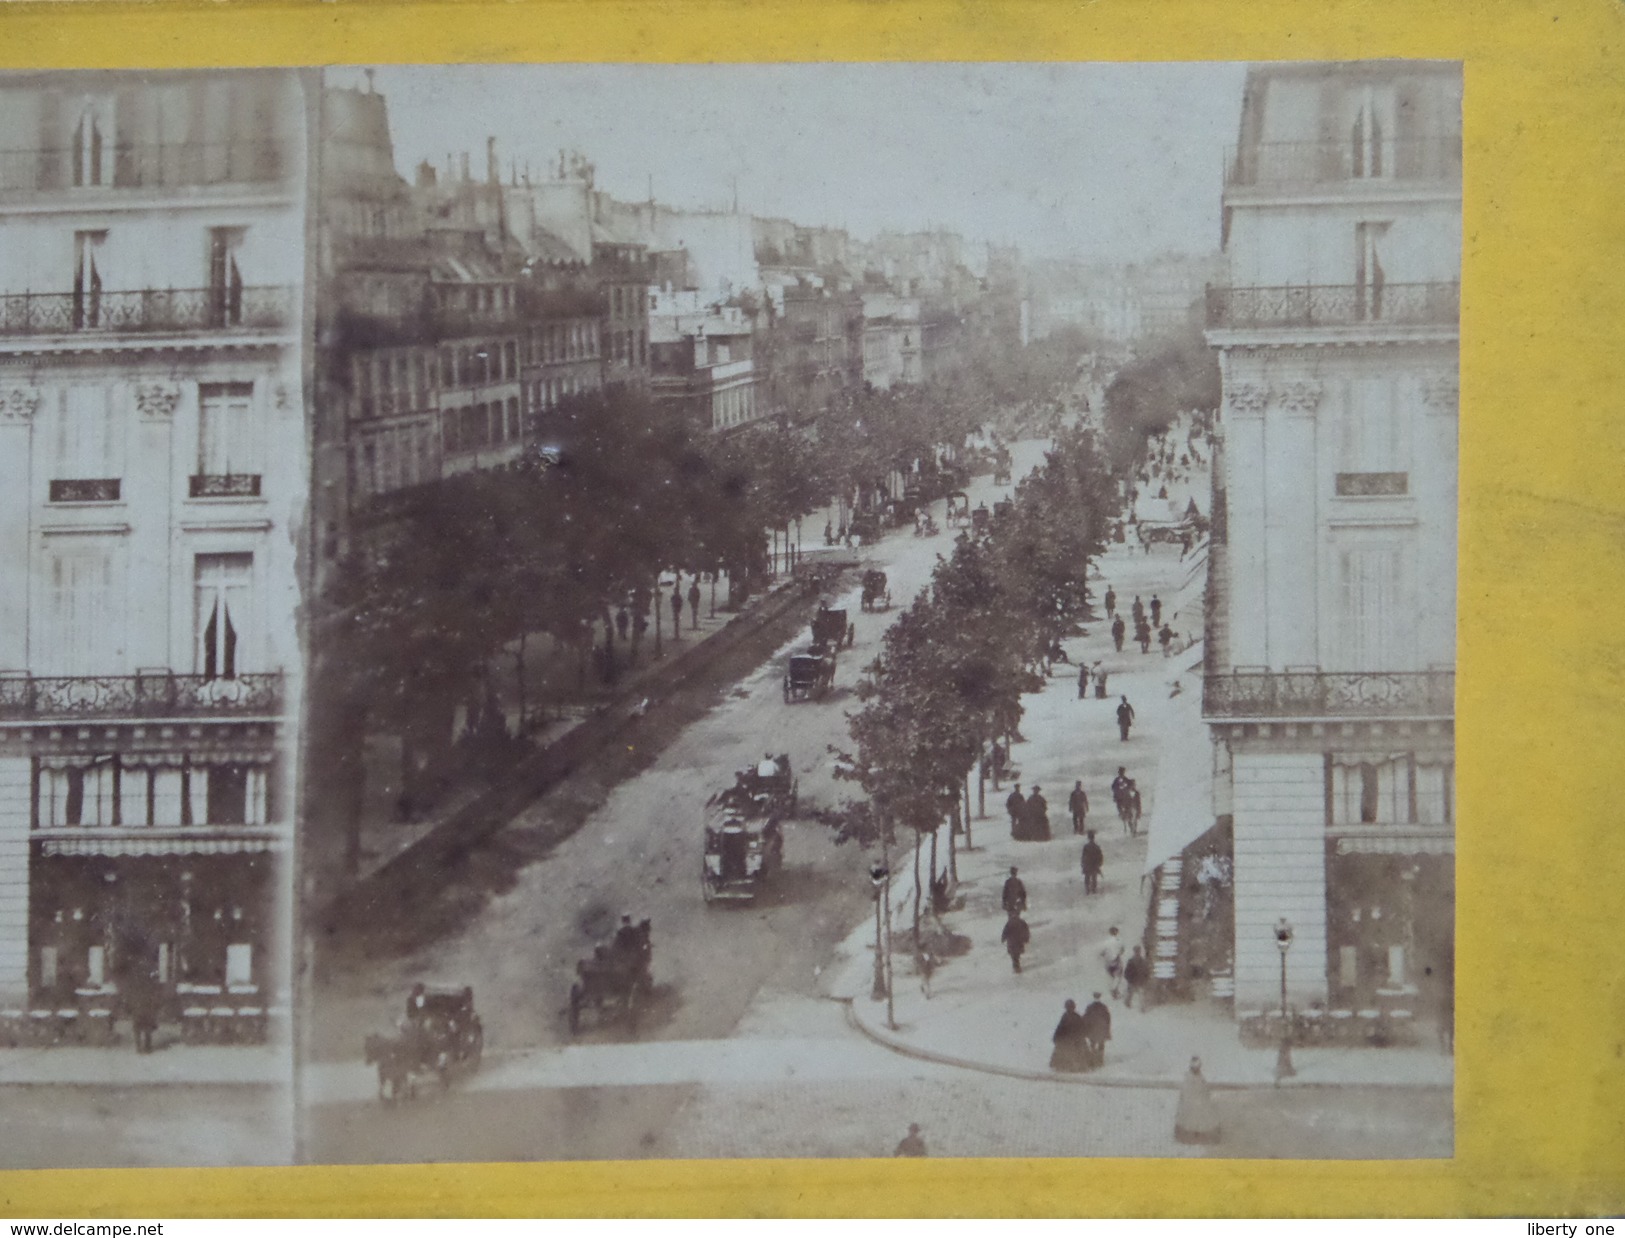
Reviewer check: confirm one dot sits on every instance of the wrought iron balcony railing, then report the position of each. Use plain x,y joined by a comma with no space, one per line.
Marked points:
143,165
1313,165
1330,694
224,486
1335,305
86,489
155,694
146,311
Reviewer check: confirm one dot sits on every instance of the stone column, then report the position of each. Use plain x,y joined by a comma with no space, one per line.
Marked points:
17,407
1292,480
15,787
151,481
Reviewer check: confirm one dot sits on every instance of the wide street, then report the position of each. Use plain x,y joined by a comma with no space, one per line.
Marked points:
639,850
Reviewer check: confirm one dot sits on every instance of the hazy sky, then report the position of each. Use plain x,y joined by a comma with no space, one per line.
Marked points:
1104,161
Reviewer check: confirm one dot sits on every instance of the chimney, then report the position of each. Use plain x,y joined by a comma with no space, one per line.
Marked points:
493,170
462,161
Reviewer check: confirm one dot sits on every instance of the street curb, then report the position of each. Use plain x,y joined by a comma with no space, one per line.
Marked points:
899,1046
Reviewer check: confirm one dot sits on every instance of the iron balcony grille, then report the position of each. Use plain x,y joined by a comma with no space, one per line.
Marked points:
1308,165
86,489
224,486
154,310
1335,305
1369,485
154,695
163,165
1330,694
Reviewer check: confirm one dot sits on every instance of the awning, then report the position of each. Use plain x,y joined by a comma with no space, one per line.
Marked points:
132,841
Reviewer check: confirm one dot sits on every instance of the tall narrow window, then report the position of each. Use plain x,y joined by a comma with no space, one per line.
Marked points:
1366,137
87,279
82,632
1369,276
225,277
223,584
88,463
228,448
92,150
1372,621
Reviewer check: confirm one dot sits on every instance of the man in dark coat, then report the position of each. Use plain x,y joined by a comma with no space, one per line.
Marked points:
1017,807
1136,975
1138,609
1083,680
1125,718
1111,600
694,602
1097,1029
1015,937
1015,894
1037,817
1119,630
1094,859
1078,804
1142,635
1156,610
677,612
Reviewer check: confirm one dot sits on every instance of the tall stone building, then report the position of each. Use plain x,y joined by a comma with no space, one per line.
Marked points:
1330,678
152,475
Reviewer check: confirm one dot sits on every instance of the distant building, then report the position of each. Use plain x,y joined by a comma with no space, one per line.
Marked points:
892,341
1330,663
152,478
701,361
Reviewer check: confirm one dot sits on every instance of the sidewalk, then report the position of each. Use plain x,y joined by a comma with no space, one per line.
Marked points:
173,1065
982,1015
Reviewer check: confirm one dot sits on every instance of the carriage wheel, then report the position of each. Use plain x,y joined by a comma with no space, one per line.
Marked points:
575,1008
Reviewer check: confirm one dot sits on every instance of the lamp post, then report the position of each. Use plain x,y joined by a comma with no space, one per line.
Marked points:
1283,1058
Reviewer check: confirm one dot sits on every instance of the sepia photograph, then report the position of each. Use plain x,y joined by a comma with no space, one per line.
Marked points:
152,488
850,610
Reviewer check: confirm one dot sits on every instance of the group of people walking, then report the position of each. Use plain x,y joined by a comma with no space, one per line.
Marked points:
1147,622
1029,815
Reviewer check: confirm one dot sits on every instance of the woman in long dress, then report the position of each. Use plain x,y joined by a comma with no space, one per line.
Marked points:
1196,1120
1071,1053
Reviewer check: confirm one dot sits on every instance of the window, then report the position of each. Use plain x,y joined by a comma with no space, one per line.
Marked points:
228,448
1371,614
88,250
88,465
82,632
93,144
510,360
1374,451
223,584
1365,138
225,277
1369,276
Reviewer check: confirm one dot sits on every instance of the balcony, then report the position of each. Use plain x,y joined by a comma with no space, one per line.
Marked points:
86,489
224,486
148,311
163,165
1321,165
156,694
1330,694
1334,305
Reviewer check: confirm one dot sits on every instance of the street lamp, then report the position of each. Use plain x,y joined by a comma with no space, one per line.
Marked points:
1283,1058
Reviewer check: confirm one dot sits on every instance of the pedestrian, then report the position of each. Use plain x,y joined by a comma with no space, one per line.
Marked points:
1111,958
143,1002
1111,600
1083,681
694,602
1142,634
1015,937
1100,676
1014,898
1078,803
623,621
1131,816
1037,817
1136,975
911,1144
677,610
1017,807
1165,638
1138,609
1094,859
1156,610
1119,629
1196,1120
1071,1052
1125,719
1097,1030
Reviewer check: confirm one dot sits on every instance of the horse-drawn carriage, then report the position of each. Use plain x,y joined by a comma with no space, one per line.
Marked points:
810,674
616,979
1184,533
959,510
740,852
925,524
876,592
830,627
767,788
439,1036
980,519
865,526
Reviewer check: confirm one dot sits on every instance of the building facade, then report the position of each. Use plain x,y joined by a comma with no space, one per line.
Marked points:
1330,679
152,476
